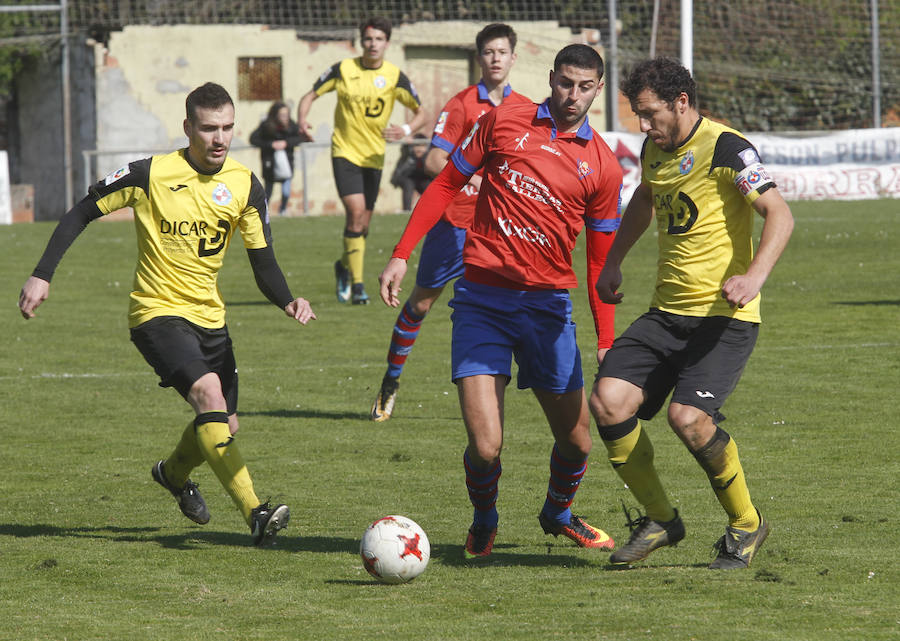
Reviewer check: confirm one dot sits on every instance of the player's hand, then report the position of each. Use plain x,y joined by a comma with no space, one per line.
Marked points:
34,292
601,354
740,290
607,284
300,310
393,133
390,280
306,131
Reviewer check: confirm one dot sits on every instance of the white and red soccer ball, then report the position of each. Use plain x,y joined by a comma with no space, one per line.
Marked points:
394,549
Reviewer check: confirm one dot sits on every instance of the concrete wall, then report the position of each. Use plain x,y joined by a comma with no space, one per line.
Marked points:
144,74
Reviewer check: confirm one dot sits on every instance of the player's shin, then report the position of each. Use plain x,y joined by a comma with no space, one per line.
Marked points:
565,477
719,459
221,452
631,455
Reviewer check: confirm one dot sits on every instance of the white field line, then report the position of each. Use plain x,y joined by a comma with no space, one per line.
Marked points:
149,373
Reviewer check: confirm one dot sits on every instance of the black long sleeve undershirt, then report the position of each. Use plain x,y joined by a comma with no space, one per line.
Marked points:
269,277
67,230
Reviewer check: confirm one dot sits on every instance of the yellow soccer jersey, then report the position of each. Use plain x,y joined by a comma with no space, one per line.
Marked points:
365,100
702,196
184,220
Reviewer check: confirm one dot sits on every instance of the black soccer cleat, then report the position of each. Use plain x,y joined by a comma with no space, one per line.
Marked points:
188,496
646,536
737,548
265,522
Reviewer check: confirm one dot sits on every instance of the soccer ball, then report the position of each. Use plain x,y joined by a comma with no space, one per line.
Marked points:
394,549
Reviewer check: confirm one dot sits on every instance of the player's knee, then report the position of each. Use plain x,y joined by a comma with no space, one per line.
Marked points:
484,453
693,425
206,393
606,408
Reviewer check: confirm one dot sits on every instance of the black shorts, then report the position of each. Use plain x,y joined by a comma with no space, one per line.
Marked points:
353,179
698,359
181,352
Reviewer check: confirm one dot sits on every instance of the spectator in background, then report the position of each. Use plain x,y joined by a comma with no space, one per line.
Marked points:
276,138
410,175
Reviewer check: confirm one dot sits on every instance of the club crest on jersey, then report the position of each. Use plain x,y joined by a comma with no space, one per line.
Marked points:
441,123
221,195
687,163
380,82
584,169
121,172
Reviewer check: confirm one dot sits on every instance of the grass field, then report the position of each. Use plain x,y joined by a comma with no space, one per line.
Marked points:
91,548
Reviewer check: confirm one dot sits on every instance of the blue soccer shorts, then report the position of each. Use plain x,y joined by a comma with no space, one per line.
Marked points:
493,325
441,260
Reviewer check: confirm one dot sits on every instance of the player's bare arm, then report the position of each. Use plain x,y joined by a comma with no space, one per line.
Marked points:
34,292
393,133
637,217
776,232
303,111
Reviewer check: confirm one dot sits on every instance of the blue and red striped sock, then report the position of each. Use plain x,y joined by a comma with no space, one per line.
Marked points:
482,486
565,477
406,330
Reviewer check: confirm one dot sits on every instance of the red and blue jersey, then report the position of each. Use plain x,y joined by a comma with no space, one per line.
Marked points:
454,122
540,188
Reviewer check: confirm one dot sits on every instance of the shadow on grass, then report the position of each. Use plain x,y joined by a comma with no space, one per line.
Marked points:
504,555
302,413
860,303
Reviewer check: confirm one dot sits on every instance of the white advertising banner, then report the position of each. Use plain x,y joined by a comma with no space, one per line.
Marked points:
859,164
5,195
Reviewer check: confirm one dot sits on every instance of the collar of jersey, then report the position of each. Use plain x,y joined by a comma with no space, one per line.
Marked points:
543,113
483,91
187,159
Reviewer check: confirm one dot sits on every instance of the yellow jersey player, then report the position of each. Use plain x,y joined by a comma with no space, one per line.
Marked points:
367,88
187,206
702,181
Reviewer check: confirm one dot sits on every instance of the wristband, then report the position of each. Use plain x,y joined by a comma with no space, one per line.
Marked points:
406,129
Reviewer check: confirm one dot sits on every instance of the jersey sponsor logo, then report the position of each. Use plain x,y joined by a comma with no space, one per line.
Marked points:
654,165
749,157
222,195
470,136
521,142
380,81
217,242
178,187
375,109
704,394
526,233
121,172
584,170
681,211
528,186
182,227
551,150
687,163
751,178
441,123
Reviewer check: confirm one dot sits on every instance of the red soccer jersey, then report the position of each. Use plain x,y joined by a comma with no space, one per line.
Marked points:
539,189
455,121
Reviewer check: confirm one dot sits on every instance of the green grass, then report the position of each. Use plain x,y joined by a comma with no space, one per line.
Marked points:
91,548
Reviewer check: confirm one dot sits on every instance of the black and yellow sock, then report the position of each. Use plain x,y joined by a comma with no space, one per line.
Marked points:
631,454
221,452
719,459
184,458
354,254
